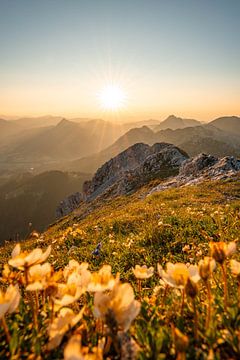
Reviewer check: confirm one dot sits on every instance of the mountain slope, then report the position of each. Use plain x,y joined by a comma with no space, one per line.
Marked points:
91,163
193,140
7,128
134,167
173,122
32,199
227,123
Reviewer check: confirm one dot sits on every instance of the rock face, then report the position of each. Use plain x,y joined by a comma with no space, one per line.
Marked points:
68,205
202,167
133,167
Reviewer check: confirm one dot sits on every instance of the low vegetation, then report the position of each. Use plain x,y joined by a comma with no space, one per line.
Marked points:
153,277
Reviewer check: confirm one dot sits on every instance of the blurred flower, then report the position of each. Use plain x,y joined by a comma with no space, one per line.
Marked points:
235,268
102,280
9,300
21,260
38,276
221,250
65,320
142,272
77,273
206,267
176,275
67,294
75,351
119,304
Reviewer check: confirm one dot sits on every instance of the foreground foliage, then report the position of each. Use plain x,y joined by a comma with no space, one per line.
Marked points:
150,279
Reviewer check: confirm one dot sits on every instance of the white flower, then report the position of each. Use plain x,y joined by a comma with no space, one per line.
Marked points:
142,272
9,300
65,320
177,275
119,303
21,260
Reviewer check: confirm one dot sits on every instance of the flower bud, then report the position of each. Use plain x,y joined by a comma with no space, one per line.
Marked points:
191,288
205,267
181,341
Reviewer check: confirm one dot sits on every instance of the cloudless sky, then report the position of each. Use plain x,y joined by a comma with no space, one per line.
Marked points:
170,56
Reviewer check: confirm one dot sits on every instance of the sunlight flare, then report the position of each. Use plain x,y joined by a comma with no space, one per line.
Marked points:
112,97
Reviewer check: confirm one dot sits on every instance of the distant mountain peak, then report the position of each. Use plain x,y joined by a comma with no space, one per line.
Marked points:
64,122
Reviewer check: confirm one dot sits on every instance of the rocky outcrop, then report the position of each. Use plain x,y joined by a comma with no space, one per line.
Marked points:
202,167
134,167
69,204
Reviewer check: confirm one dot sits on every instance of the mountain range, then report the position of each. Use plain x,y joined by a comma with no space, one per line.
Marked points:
208,138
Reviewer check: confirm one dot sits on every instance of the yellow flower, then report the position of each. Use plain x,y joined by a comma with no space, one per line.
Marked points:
221,250
206,267
102,280
235,268
177,275
142,272
38,276
65,320
119,303
21,260
74,350
9,300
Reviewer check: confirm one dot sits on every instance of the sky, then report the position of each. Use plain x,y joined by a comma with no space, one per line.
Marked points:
177,57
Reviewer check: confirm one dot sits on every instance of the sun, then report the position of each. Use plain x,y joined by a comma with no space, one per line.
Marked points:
112,97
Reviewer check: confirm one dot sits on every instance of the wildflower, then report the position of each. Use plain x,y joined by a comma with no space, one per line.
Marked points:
142,272
65,320
22,260
97,249
221,250
186,248
206,267
68,293
177,275
102,280
118,304
38,276
75,351
77,273
235,267
9,300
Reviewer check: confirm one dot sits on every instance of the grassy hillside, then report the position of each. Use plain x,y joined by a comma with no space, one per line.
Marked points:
176,225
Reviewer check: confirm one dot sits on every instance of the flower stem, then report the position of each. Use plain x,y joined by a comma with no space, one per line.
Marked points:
209,309
183,301
165,294
195,320
224,275
6,330
140,288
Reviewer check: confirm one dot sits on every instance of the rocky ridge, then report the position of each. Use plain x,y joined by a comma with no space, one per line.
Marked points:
200,168
134,167
69,204
140,163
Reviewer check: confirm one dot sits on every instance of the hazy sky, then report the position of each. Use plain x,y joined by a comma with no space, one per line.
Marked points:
169,56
